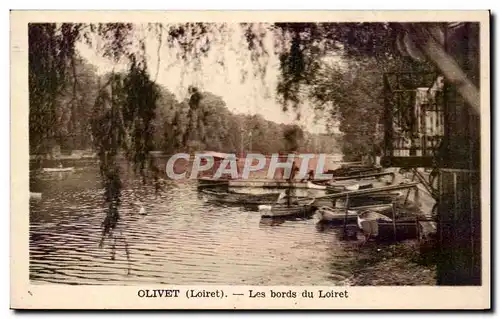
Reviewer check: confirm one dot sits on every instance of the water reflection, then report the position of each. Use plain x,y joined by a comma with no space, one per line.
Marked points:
182,239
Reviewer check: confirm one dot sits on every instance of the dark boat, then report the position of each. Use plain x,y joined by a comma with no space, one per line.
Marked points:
243,199
352,170
302,209
210,182
383,228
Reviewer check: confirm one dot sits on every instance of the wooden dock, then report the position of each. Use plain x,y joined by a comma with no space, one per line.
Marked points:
371,190
267,183
364,176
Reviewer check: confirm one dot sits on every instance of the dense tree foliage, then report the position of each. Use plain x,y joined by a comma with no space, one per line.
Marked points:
352,93
174,126
304,51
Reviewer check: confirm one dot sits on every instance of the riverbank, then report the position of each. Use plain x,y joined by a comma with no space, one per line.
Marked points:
398,264
404,263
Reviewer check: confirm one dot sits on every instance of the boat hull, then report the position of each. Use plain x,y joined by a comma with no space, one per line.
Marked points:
272,183
384,228
209,183
55,169
237,198
303,210
404,230
35,196
337,216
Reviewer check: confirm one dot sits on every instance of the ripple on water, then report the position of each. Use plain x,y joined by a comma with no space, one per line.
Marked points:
181,240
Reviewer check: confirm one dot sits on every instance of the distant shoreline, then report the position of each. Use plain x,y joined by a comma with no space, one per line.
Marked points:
153,154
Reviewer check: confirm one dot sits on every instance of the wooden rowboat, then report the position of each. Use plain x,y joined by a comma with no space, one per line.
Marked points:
58,169
355,201
35,196
239,198
368,222
329,214
210,182
406,228
343,188
274,183
302,209
332,215
382,227
364,200
312,185
349,185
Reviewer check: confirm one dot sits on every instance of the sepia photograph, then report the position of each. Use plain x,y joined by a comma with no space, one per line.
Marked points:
175,156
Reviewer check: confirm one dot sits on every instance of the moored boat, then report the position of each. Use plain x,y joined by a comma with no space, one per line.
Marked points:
332,215
365,199
351,170
35,196
368,222
301,209
350,185
381,227
58,169
275,183
240,198
401,229
312,185
343,188
211,182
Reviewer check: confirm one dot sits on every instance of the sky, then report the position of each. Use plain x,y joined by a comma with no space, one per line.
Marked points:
253,96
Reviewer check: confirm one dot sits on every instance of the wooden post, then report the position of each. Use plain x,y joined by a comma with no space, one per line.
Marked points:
459,210
409,190
394,222
416,198
346,213
459,222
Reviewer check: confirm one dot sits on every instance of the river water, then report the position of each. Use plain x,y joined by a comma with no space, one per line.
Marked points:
182,239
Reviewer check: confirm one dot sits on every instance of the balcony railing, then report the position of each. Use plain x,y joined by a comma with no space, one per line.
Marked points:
413,119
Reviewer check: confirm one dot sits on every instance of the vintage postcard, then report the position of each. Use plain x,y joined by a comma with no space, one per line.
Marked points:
250,160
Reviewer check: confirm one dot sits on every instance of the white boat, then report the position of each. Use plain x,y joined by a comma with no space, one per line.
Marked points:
280,210
58,169
328,214
331,214
353,187
311,185
368,222
36,196
240,198
350,185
